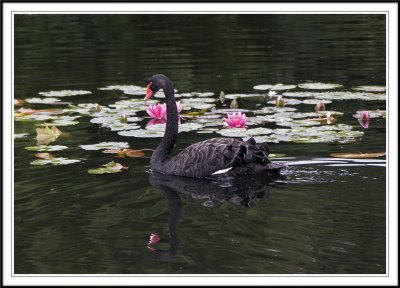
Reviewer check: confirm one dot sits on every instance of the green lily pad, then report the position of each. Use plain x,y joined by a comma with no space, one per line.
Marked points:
370,88
46,148
288,101
36,100
319,86
272,155
20,135
105,145
236,96
55,161
333,113
339,95
109,168
232,132
315,101
64,93
35,117
262,87
279,87
141,133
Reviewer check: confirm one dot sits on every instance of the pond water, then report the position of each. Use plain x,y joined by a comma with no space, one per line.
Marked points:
322,215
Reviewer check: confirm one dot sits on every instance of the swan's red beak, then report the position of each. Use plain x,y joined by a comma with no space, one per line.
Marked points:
149,93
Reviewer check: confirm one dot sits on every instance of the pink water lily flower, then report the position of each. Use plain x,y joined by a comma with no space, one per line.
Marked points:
235,120
364,119
159,111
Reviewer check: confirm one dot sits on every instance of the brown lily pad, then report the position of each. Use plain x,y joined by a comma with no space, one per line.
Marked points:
358,155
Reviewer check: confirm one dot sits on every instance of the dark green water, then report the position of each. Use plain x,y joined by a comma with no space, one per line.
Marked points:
319,219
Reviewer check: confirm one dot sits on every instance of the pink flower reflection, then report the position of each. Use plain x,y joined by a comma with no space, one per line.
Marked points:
235,120
364,119
320,106
154,121
154,238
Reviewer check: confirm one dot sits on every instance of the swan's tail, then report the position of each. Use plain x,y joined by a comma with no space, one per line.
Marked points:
252,152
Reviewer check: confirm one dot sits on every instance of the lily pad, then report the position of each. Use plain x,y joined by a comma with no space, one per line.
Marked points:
358,155
236,96
46,135
262,87
141,133
232,132
272,155
315,101
287,101
37,100
105,145
47,148
370,88
64,93
319,86
110,167
44,155
20,135
128,152
339,95
279,87
55,161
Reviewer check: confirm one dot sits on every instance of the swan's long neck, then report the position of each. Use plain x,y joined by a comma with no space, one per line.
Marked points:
171,130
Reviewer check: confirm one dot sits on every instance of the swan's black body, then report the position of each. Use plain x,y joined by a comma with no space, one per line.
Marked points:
206,157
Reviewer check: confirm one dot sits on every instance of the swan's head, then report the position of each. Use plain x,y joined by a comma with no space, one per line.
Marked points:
155,83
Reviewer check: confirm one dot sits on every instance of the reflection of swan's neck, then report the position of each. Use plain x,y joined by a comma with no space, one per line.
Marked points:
171,130
175,210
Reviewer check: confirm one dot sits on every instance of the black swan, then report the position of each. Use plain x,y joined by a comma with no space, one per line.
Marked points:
228,156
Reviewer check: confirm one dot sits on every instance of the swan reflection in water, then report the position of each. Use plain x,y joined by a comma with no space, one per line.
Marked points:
245,190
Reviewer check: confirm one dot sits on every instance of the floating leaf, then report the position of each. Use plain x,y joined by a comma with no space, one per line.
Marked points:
287,101
370,88
64,93
19,102
358,155
44,155
20,135
42,100
141,133
54,161
276,155
110,167
46,148
262,87
236,96
128,152
319,86
315,101
282,87
105,145
339,95
46,135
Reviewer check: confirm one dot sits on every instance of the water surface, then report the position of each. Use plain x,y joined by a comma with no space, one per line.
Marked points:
316,218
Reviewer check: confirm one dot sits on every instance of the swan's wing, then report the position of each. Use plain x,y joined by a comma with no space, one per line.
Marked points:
206,157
